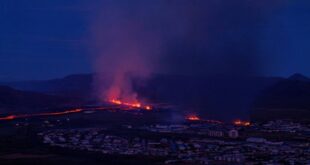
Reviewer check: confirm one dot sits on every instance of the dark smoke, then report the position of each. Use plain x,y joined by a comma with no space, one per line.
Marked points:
193,37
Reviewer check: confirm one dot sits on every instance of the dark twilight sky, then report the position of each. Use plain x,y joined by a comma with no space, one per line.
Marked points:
42,39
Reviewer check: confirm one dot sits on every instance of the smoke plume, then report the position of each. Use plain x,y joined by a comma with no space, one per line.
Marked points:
125,48
137,38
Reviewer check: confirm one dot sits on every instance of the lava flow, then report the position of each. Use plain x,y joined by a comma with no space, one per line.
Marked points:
132,105
197,118
241,123
192,118
77,110
116,102
12,117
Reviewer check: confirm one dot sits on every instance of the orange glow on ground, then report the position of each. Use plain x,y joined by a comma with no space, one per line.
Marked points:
148,107
197,118
132,105
114,101
12,117
61,113
78,110
192,118
241,123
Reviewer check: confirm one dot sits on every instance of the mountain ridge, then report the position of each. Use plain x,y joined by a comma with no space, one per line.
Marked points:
287,99
12,100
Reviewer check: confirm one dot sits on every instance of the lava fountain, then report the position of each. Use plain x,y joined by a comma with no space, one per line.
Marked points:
123,50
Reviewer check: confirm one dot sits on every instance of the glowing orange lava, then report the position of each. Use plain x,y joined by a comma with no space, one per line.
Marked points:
241,123
12,117
132,105
116,102
61,113
193,118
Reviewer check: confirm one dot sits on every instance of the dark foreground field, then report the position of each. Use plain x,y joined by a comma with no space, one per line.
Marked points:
20,144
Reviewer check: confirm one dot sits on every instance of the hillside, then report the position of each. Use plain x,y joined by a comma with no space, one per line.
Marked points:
73,86
12,100
220,97
288,99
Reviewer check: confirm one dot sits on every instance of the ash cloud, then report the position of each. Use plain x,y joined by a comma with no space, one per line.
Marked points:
138,38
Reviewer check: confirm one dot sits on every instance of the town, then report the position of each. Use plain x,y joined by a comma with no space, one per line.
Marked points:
273,142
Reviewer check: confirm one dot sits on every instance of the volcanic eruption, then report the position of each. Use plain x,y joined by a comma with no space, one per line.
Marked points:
131,40
124,50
